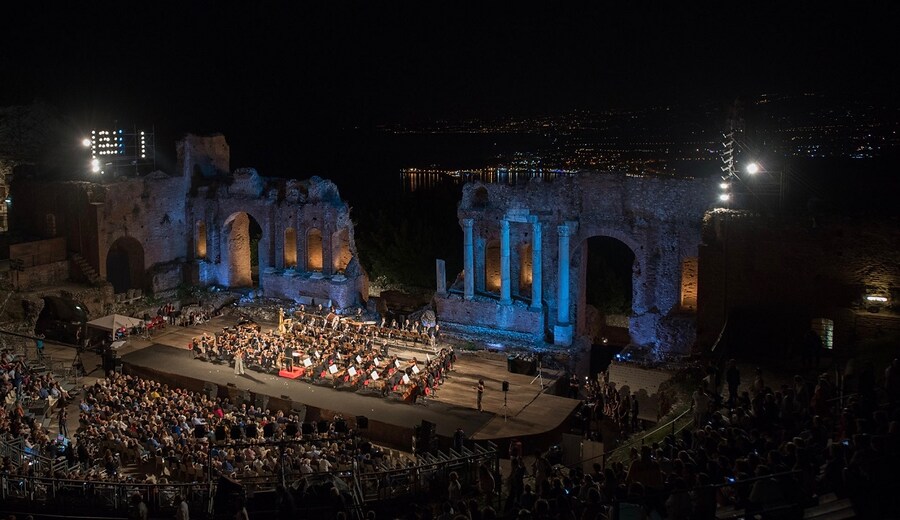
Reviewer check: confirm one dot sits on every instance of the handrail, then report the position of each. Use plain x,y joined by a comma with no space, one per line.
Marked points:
631,443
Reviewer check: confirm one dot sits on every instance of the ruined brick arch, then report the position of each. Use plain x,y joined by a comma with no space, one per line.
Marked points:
125,264
236,250
639,287
525,269
290,248
492,266
314,256
200,243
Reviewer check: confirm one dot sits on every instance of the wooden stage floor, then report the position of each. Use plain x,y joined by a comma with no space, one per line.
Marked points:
530,410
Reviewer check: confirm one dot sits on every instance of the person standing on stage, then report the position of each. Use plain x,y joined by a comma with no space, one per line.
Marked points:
239,363
480,394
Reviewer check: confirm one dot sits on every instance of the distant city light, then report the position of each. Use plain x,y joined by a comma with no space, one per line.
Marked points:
752,168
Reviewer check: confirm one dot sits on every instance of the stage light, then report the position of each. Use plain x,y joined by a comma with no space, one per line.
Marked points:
752,168
95,166
724,185
86,142
876,298
724,197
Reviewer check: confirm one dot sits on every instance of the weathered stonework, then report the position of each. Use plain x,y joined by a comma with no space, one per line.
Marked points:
160,230
800,268
659,219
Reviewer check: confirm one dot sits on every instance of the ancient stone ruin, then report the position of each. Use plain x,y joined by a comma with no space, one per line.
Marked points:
200,225
524,255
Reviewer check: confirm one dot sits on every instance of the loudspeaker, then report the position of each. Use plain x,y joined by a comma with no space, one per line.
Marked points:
237,432
291,429
340,426
323,426
269,430
306,428
220,433
251,430
211,389
362,422
199,431
506,386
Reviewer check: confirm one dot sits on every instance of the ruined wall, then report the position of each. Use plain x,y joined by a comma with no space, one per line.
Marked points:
659,219
790,266
154,222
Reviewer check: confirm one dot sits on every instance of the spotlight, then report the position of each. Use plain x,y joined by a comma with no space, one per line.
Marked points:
724,197
95,165
86,142
752,168
724,185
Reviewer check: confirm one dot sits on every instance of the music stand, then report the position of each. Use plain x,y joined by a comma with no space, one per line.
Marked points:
505,409
540,370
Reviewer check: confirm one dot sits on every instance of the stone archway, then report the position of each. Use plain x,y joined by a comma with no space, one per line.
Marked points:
125,265
241,234
606,289
314,256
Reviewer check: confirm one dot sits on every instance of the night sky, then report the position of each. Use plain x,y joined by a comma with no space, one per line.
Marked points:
270,74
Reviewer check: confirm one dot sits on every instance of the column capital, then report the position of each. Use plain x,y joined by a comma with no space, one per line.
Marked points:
504,224
534,219
467,222
563,230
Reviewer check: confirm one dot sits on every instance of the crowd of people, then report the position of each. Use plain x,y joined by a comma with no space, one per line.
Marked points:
322,348
766,448
602,400
25,389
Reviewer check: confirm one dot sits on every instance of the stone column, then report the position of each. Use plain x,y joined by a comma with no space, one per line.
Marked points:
537,289
562,315
563,330
441,274
505,292
468,259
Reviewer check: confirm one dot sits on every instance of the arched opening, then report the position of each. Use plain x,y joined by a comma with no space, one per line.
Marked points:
340,250
125,265
689,284
608,289
241,235
290,248
492,267
314,250
525,270
200,240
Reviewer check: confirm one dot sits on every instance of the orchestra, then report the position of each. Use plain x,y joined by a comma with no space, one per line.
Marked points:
325,349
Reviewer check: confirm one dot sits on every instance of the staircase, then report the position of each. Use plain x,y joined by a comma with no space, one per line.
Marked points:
87,272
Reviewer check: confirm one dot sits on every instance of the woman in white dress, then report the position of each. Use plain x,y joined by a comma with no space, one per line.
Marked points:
239,363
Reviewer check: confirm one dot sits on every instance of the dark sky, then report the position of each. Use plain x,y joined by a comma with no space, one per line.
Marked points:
296,68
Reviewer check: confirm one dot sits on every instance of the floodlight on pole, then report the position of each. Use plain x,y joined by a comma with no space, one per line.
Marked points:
752,168
725,197
86,142
95,165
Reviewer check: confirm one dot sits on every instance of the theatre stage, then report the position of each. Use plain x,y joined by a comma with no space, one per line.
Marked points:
530,411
